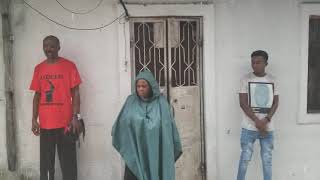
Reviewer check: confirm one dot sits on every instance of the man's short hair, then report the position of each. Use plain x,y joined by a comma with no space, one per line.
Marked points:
260,53
53,38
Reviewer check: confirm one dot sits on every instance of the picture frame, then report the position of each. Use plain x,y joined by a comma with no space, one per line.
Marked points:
261,96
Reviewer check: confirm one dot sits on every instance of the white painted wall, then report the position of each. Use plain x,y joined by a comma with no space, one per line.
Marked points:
273,25
3,153
95,54
237,28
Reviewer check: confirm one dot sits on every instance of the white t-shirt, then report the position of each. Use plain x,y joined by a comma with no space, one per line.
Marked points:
261,96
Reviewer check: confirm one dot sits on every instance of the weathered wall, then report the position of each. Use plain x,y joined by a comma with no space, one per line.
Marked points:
95,54
239,28
3,160
273,25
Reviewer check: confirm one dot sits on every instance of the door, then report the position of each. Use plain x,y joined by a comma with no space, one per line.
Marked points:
171,48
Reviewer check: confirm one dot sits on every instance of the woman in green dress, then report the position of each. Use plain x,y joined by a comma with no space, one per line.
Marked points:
145,133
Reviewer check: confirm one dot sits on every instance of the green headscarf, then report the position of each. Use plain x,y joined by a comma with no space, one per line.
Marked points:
146,136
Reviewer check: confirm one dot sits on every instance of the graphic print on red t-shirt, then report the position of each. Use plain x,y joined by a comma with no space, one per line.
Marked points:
49,93
54,83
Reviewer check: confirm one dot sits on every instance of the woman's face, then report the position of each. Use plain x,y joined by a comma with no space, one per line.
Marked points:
143,88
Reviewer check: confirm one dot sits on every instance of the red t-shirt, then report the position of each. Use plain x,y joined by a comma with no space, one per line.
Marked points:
54,82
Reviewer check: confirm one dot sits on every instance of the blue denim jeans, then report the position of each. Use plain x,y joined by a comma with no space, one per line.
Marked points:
266,146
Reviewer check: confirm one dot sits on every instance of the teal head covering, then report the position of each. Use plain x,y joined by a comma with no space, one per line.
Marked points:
146,136
148,76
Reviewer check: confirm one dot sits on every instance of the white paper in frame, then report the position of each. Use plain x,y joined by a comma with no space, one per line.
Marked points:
261,96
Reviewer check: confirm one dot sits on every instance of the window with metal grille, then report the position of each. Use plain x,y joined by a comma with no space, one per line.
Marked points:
149,53
184,55
168,48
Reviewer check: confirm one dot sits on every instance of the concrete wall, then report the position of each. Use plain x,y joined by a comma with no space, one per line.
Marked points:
239,28
95,54
3,154
4,173
273,25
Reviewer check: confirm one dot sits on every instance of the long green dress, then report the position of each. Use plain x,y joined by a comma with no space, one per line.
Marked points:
146,136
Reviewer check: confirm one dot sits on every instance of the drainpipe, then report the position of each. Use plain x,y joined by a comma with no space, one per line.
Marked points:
9,95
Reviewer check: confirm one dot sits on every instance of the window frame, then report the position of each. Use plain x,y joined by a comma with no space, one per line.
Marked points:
306,10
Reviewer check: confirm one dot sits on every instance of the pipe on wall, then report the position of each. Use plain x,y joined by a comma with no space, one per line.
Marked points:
7,36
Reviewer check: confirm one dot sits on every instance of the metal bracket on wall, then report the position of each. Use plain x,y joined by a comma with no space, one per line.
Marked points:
11,37
203,168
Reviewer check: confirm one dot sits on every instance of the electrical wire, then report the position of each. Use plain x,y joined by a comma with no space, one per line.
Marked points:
73,28
124,7
81,13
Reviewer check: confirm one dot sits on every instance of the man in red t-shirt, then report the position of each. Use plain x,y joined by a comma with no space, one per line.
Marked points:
57,103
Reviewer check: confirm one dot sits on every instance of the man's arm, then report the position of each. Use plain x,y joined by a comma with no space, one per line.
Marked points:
75,125
75,100
243,99
274,107
35,112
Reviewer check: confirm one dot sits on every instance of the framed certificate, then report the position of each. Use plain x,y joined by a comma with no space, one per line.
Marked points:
261,96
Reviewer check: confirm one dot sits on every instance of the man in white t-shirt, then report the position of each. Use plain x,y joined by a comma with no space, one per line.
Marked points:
259,98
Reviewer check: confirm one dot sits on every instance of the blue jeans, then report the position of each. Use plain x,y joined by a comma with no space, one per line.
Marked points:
266,146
